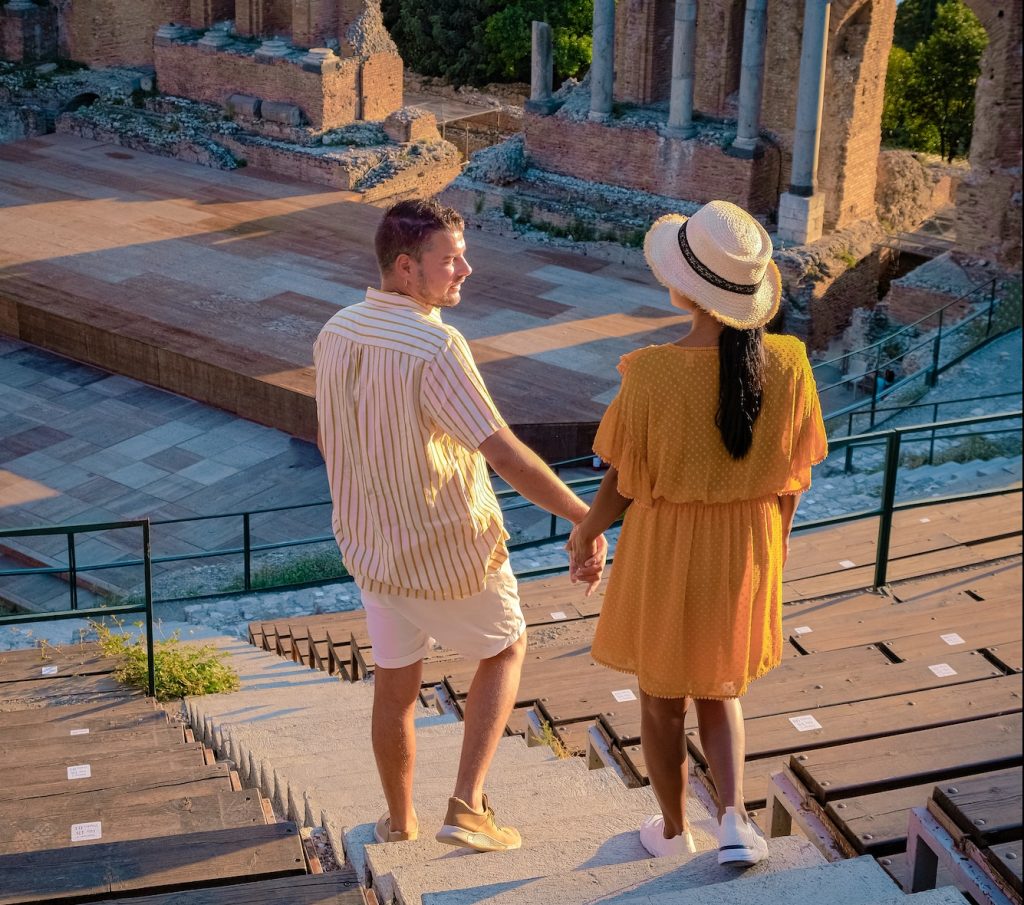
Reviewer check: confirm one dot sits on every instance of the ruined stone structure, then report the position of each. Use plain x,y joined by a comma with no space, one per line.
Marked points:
800,85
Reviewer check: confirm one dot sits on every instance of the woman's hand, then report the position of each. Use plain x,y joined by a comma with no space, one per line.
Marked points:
587,555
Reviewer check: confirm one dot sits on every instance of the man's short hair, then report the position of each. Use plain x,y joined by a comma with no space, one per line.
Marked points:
407,227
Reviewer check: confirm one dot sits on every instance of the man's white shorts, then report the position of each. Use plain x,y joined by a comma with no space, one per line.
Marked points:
401,629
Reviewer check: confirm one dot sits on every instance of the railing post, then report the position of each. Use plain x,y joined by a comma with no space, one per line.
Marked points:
991,307
147,566
72,571
848,461
892,465
933,378
246,553
553,526
874,398
931,447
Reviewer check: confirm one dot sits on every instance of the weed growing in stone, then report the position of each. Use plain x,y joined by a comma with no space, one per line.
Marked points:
181,669
548,737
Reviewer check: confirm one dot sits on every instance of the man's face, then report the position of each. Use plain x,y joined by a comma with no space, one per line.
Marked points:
436,278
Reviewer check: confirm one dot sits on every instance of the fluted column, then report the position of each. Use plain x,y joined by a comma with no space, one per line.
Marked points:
748,124
602,69
802,208
684,52
541,66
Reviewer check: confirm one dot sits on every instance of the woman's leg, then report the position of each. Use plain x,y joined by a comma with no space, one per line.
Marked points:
720,724
664,743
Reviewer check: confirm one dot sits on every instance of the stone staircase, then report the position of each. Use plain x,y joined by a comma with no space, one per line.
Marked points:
303,738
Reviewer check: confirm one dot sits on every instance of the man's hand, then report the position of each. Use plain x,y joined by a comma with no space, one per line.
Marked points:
586,557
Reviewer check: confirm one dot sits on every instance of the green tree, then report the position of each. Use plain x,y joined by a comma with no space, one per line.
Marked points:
508,36
914,21
929,102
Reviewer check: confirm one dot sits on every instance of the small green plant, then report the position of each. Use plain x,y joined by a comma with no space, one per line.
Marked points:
848,258
180,669
300,570
478,204
550,738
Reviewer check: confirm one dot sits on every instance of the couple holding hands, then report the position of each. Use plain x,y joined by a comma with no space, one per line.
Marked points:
709,442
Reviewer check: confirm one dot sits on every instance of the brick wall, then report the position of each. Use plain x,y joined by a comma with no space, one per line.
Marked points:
988,203
718,52
313,21
380,85
264,18
643,50
204,13
105,33
643,159
27,35
908,304
327,99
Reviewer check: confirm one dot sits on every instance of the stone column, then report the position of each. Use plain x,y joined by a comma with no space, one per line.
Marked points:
748,124
541,68
602,69
684,52
802,208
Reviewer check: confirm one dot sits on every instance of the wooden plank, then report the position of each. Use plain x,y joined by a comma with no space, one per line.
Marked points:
170,862
97,711
1007,858
985,631
876,824
38,751
118,822
888,716
132,790
1006,656
902,619
53,692
910,758
109,765
43,662
334,888
986,808
95,725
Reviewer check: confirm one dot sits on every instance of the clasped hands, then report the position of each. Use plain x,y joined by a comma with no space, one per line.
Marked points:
587,554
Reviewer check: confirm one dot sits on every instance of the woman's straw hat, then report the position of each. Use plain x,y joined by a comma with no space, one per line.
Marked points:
721,259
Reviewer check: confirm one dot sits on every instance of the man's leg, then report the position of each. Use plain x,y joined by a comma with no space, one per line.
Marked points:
394,739
664,742
488,707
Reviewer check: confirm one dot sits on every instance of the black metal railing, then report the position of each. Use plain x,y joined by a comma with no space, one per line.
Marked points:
74,611
892,441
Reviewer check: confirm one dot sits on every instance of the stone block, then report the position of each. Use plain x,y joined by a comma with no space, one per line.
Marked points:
801,219
411,124
244,105
281,112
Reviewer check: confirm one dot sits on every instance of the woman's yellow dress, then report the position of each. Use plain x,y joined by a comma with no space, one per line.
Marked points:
694,603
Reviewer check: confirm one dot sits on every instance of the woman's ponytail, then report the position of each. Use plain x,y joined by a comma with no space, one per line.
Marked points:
740,387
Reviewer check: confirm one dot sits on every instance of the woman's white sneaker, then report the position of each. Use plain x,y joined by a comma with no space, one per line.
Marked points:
652,837
739,842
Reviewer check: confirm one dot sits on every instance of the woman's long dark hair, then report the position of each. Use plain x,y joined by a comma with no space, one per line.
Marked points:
740,387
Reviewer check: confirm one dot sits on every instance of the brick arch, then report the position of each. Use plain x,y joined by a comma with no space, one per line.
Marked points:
860,36
988,200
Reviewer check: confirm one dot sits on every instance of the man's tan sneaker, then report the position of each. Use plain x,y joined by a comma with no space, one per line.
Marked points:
383,832
476,830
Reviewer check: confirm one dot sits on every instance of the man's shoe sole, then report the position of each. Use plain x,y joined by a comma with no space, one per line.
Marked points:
478,842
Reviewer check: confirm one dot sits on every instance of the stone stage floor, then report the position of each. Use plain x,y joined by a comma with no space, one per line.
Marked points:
214,284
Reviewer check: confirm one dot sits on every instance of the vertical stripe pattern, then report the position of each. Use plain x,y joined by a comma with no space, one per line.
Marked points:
402,410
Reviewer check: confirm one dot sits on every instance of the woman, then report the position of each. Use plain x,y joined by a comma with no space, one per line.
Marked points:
710,440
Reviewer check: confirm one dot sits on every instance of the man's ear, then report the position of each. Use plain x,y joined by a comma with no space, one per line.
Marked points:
402,266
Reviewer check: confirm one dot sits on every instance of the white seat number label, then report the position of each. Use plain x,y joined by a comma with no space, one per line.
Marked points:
804,723
559,615
80,771
952,638
943,669
81,832
623,695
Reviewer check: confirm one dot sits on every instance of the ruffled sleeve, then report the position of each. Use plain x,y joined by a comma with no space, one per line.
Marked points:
811,444
621,439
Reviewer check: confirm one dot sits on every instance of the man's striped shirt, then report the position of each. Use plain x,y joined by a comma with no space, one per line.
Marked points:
402,411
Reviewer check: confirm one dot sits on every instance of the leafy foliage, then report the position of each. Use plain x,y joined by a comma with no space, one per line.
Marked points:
179,669
472,42
929,89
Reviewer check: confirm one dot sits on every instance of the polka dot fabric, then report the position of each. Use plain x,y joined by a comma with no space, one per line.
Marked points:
694,603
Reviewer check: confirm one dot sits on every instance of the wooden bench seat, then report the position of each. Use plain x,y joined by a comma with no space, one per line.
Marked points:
59,690
335,888
1007,656
120,822
911,758
15,753
169,862
987,630
49,661
96,724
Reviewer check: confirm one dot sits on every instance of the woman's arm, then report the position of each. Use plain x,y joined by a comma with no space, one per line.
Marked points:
608,505
787,506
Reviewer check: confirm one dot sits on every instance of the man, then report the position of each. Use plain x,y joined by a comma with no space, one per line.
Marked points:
407,428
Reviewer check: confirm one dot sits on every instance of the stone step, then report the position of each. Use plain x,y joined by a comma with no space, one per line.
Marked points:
564,838
946,895
652,875
859,881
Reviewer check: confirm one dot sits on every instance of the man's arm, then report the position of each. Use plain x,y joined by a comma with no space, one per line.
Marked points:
526,473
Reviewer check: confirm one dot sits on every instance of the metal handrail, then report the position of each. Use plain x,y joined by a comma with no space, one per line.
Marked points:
74,612
891,467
